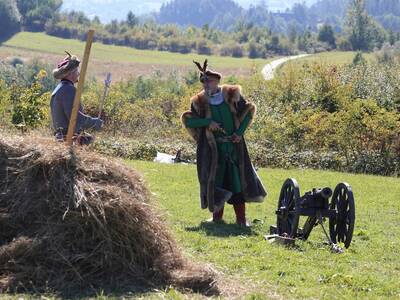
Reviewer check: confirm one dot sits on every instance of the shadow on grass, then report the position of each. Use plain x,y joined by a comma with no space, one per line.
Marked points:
135,290
6,36
221,229
132,289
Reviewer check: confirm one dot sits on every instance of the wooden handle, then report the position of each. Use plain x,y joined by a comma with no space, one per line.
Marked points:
79,90
107,84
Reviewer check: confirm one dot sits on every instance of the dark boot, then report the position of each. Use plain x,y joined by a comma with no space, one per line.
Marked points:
217,216
240,211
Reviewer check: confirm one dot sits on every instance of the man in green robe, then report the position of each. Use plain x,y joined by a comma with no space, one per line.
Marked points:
217,120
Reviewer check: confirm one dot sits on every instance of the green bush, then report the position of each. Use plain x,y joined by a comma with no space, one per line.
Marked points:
5,105
312,116
144,149
21,74
29,105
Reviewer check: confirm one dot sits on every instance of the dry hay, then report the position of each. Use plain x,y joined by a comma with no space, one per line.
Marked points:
70,220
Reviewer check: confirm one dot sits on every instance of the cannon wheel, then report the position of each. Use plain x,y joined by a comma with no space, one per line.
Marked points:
287,219
341,227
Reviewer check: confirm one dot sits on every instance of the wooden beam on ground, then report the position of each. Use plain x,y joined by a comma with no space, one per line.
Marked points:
275,238
79,90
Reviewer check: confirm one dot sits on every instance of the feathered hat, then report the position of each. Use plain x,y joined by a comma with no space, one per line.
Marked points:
206,74
66,66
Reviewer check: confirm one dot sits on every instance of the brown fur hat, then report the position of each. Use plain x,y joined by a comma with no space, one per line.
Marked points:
66,66
206,74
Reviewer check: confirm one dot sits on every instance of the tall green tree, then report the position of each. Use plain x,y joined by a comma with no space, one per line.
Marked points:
132,20
357,23
292,35
35,13
9,18
362,29
327,35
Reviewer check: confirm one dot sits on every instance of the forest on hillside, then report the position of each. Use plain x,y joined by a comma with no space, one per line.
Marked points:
200,26
116,9
301,16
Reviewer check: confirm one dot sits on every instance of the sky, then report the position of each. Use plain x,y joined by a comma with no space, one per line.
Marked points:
118,9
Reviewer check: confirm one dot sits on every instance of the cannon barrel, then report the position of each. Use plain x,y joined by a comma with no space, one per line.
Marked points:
316,199
325,193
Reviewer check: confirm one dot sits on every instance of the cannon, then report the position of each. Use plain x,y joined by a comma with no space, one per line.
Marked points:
315,205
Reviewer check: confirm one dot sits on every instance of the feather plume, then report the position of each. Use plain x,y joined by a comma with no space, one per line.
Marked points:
205,65
198,66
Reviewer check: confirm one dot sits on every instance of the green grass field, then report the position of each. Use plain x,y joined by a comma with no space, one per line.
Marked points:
335,57
370,268
255,269
329,58
41,42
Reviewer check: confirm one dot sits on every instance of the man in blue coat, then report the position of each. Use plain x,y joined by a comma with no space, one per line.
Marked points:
62,101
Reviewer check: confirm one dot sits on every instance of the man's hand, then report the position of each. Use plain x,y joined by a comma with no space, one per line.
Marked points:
236,138
99,124
214,126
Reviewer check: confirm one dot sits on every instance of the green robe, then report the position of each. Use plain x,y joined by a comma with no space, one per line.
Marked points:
228,176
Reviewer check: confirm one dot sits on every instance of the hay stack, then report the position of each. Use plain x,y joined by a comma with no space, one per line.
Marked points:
72,219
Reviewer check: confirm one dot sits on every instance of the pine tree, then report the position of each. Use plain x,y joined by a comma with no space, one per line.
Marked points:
358,25
132,20
327,35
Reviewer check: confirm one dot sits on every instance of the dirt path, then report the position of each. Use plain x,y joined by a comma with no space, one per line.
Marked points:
269,70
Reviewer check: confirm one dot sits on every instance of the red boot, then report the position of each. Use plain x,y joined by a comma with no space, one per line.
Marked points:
240,211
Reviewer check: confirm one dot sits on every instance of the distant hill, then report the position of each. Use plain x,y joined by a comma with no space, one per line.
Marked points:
386,12
108,10
277,15
199,13
206,12
118,9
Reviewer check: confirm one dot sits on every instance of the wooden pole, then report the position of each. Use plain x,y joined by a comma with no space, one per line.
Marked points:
79,90
107,84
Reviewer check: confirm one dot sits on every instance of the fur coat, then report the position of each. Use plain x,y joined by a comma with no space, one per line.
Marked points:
207,153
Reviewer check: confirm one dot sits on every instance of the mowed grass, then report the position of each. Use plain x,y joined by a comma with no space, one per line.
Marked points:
370,268
41,42
334,58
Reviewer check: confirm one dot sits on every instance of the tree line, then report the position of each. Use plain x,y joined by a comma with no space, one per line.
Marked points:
257,35
30,15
